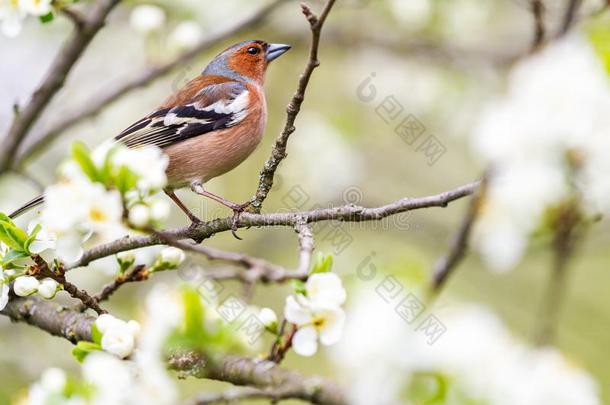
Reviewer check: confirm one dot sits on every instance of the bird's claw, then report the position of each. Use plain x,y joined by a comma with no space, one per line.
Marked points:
237,210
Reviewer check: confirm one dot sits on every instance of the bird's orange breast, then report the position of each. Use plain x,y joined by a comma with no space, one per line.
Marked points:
215,153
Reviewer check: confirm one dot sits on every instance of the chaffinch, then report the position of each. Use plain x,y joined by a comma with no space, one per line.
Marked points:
211,125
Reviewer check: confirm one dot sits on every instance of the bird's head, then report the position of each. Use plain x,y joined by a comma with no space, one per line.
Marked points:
247,60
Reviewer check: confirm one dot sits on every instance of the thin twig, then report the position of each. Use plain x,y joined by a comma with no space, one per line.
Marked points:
147,76
446,264
42,269
278,152
139,273
259,270
346,213
54,80
565,238
537,7
570,16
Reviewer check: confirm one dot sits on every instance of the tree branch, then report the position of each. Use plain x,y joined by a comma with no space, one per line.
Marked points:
537,7
76,326
345,213
570,16
148,75
446,264
235,394
261,374
56,75
278,152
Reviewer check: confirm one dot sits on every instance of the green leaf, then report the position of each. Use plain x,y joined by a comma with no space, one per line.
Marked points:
96,335
299,287
11,256
32,237
12,236
81,154
599,36
47,17
323,264
83,349
193,313
125,180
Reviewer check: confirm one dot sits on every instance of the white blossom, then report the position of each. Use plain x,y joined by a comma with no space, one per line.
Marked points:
25,285
36,7
545,135
4,290
11,17
48,288
139,215
119,340
45,243
379,357
118,337
186,35
325,289
148,163
147,18
172,256
53,379
268,317
318,315
159,210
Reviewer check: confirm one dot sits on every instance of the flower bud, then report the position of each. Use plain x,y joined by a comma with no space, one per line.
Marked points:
159,211
25,285
172,256
139,215
268,317
48,288
118,340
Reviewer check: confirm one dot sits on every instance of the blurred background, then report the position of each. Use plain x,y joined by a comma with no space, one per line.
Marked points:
437,62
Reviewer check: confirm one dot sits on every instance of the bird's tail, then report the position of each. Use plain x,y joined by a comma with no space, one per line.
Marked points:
28,206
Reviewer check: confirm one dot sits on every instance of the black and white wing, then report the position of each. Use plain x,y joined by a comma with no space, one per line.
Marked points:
216,106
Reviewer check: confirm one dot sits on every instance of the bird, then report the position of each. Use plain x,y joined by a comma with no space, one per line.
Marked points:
209,126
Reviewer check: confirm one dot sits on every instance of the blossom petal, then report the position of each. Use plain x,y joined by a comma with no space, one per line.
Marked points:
305,342
334,320
325,288
295,312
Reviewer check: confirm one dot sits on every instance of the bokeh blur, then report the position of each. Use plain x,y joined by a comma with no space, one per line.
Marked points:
433,66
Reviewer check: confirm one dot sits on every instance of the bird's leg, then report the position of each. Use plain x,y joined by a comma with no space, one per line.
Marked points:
170,193
197,188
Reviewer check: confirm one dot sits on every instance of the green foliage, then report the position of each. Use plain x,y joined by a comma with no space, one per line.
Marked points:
16,240
323,263
96,335
83,348
599,36
82,156
47,18
210,336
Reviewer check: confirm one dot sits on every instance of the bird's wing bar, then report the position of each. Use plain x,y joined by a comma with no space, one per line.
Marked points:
216,106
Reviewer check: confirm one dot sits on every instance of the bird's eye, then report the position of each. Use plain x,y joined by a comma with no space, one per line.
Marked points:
253,50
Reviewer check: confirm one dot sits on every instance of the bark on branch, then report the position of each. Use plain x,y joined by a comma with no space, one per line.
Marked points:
345,213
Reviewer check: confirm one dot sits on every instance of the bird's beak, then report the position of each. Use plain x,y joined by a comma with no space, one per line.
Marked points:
274,51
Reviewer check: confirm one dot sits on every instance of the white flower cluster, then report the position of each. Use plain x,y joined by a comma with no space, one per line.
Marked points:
106,380
118,337
477,357
150,19
547,141
80,209
13,12
28,285
317,313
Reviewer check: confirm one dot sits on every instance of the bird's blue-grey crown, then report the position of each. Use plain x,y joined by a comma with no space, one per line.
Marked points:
219,66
